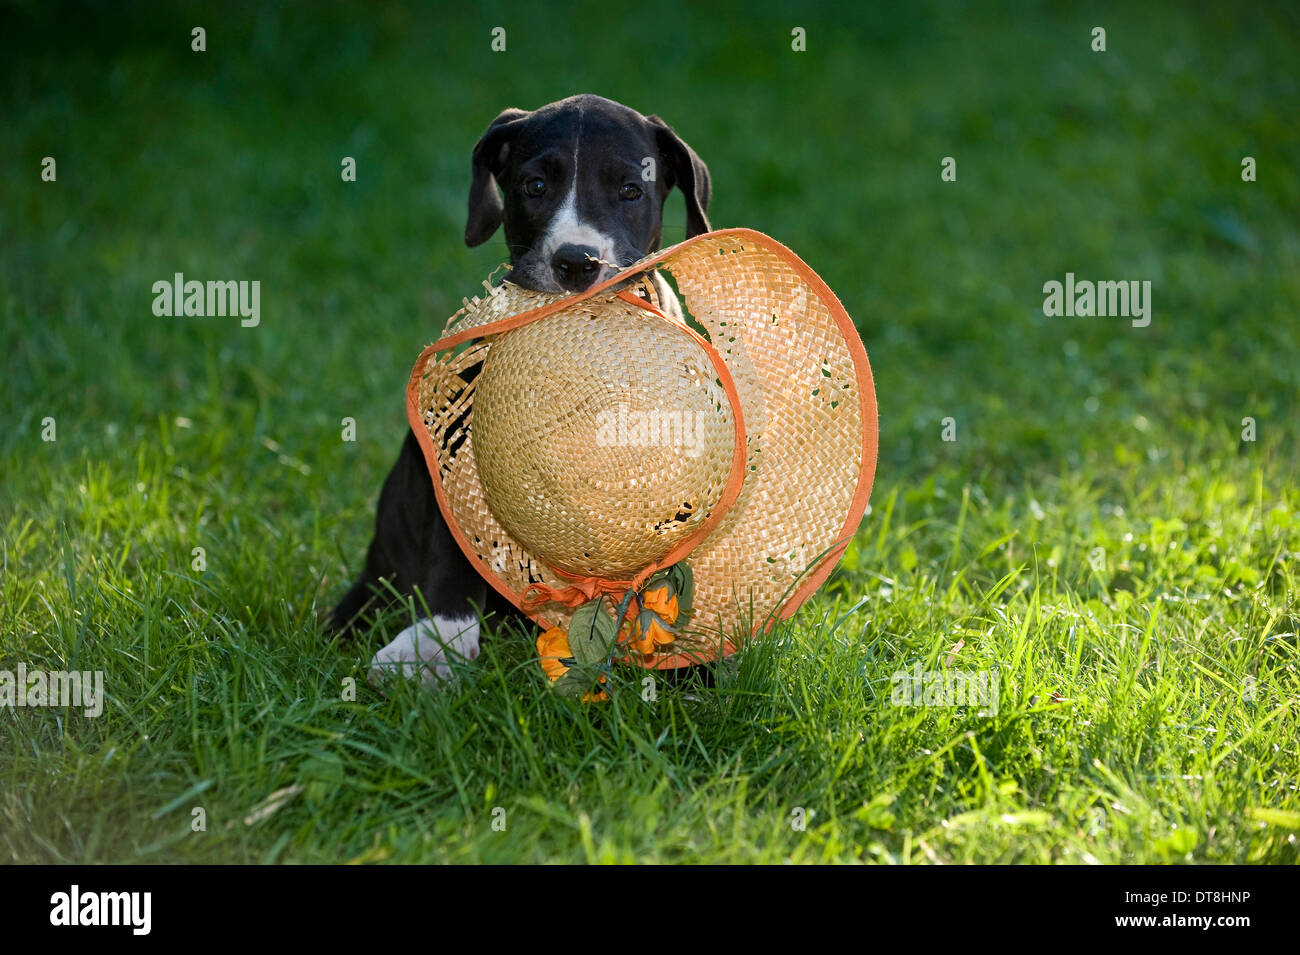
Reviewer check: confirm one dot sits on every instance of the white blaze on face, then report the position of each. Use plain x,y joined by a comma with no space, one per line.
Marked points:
568,229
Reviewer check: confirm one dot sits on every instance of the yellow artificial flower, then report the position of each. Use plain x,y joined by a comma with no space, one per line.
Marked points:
625,638
649,629
553,648
663,601
658,634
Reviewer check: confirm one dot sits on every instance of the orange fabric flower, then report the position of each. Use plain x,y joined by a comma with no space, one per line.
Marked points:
553,647
649,631
626,638
658,634
637,640
598,697
663,601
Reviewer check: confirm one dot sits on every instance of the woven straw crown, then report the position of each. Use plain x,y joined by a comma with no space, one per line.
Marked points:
601,437
513,408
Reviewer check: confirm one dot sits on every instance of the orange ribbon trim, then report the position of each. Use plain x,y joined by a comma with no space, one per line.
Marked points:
582,589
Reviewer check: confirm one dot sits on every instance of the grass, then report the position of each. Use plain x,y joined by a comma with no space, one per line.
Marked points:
1098,532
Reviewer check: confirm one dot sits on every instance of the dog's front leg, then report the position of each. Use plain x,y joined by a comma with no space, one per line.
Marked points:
427,649
413,555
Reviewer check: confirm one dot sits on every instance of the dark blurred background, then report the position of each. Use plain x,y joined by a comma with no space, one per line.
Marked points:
225,164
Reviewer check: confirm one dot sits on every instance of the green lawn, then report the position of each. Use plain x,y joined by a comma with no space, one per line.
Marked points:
1099,531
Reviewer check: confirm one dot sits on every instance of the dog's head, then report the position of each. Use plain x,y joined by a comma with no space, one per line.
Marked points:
584,182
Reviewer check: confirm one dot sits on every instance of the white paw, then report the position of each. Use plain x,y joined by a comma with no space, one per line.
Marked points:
426,649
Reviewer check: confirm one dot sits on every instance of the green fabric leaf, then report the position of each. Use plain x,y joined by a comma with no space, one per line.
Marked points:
592,633
577,683
684,580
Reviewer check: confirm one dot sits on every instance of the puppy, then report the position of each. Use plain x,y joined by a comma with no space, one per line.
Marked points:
582,186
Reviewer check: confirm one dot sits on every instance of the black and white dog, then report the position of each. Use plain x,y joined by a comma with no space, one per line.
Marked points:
576,200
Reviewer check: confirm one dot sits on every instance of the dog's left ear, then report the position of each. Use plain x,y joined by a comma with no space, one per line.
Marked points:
687,172
485,208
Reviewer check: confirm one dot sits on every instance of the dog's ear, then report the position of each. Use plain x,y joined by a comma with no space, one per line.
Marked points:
485,209
687,172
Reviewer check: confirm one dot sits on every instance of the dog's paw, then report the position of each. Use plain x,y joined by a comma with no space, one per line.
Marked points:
426,649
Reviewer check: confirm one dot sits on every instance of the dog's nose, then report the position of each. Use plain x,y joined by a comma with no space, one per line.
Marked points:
576,266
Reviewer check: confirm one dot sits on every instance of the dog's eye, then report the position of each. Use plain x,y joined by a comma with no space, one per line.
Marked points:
535,187
630,191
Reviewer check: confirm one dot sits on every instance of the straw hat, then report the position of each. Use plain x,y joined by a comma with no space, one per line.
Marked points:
602,463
